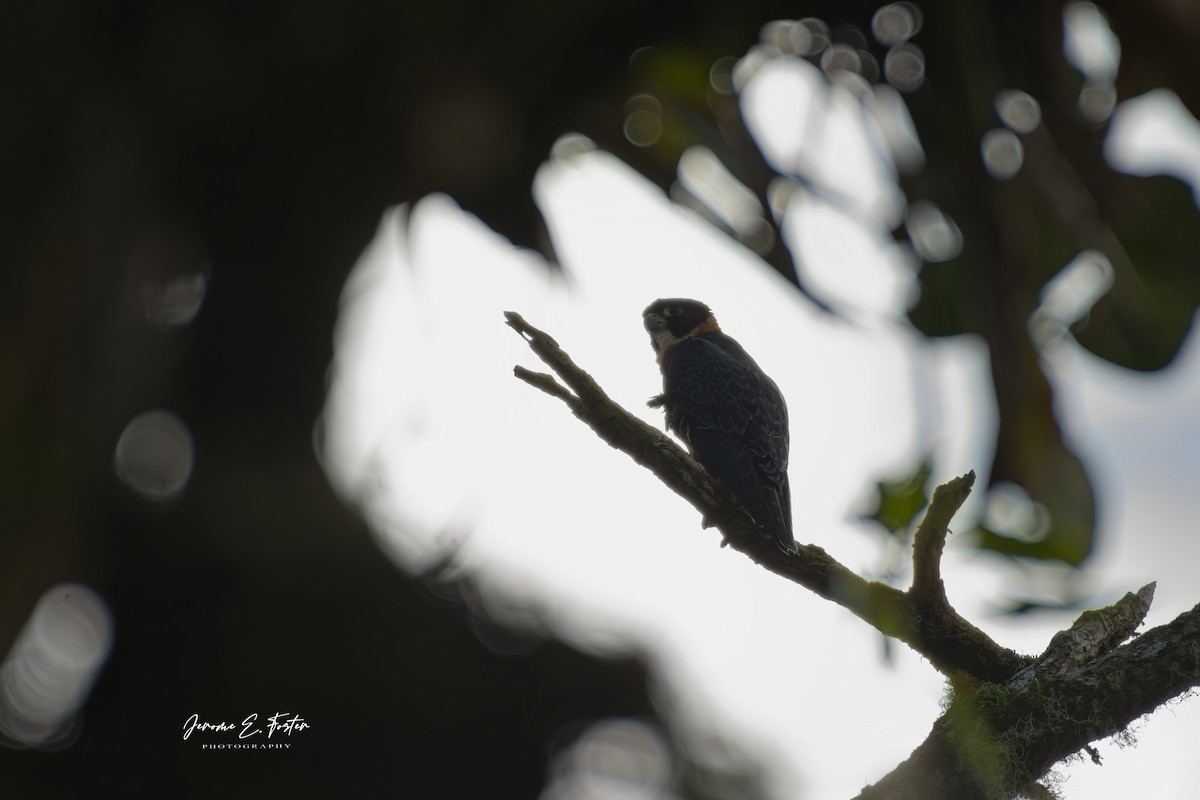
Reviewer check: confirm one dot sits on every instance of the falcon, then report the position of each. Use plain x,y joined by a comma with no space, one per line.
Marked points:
729,413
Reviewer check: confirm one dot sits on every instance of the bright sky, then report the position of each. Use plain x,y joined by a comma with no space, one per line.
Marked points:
429,430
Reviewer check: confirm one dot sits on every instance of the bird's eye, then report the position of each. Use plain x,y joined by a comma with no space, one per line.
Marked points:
672,311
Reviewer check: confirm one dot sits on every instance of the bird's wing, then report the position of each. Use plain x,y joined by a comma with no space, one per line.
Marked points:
735,419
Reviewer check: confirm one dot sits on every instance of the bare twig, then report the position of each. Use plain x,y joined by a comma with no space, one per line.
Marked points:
548,385
930,540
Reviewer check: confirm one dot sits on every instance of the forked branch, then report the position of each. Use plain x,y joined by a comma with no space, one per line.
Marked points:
921,617
1010,717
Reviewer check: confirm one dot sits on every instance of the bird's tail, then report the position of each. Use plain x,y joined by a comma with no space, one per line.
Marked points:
777,517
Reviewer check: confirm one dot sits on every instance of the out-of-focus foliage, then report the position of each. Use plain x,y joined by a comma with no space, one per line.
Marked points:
898,501
1011,124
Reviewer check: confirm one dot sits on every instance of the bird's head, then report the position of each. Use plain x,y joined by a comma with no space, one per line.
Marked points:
671,320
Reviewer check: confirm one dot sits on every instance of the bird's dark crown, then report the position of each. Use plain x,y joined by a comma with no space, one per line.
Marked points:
678,315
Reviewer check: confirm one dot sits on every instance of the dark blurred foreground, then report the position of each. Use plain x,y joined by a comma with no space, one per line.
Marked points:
185,188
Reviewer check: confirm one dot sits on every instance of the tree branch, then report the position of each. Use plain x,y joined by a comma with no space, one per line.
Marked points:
995,741
930,540
1093,634
1010,718
548,385
922,618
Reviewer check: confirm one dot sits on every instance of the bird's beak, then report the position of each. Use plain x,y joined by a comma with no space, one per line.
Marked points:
653,322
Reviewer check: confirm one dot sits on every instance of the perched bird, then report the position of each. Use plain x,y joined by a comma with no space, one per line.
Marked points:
731,415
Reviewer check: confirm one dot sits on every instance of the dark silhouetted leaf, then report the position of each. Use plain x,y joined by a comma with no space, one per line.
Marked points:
899,501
